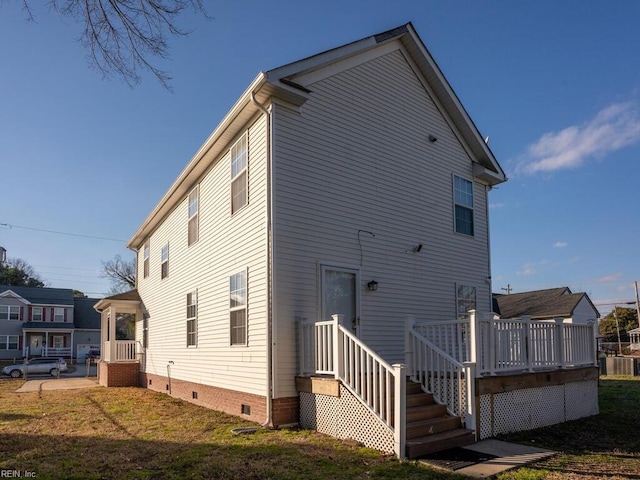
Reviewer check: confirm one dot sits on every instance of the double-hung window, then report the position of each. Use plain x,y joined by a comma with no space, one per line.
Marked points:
9,342
145,258
9,312
465,300
36,314
239,179
463,201
58,314
194,200
164,261
192,318
238,308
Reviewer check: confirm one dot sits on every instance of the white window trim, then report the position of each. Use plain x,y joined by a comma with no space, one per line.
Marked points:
245,137
238,308
9,309
455,204
56,314
5,342
459,314
146,253
194,318
163,260
195,215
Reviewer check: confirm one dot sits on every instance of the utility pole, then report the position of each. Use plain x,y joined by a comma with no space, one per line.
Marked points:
508,289
615,315
637,303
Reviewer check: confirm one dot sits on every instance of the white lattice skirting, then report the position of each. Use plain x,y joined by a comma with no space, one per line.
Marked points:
536,407
344,417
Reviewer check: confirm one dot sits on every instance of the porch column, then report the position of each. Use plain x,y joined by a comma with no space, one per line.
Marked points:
104,318
71,347
25,347
46,343
112,334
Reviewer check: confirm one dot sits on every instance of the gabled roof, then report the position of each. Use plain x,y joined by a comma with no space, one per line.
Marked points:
130,297
287,83
40,295
540,304
84,315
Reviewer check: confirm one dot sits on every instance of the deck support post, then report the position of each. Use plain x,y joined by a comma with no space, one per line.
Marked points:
399,414
560,326
338,354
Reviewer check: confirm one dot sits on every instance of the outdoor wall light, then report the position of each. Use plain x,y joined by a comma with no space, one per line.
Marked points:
432,139
372,286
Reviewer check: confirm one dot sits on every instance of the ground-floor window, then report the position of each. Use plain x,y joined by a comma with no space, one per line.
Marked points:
9,342
58,341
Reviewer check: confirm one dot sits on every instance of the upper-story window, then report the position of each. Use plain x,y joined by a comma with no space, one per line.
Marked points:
194,201
36,314
58,314
145,258
164,261
239,179
463,201
238,308
9,312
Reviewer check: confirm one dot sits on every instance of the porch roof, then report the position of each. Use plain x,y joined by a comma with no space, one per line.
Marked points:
42,326
540,304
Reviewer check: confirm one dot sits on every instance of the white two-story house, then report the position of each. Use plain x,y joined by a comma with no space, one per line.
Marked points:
350,183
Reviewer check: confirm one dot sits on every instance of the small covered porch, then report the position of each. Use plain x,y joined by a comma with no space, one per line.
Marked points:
40,339
119,363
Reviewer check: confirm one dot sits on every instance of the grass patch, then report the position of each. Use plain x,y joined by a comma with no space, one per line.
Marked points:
604,446
135,433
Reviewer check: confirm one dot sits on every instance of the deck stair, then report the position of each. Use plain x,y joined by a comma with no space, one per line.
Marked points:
429,427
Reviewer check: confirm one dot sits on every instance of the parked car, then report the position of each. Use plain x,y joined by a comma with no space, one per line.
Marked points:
52,366
93,355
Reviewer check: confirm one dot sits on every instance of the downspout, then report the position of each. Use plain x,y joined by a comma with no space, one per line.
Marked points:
269,214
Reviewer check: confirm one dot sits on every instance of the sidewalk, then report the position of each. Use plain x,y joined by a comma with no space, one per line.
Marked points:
67,381
499,457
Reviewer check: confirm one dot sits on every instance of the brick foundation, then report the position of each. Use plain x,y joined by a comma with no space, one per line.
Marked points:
119,374
244,405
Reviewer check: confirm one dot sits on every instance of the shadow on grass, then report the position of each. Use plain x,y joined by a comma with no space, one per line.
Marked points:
11,417
66,457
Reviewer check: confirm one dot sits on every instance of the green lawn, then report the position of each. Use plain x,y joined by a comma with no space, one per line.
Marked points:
606,446
135,433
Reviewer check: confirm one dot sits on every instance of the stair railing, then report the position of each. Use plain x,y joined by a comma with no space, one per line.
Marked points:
450,381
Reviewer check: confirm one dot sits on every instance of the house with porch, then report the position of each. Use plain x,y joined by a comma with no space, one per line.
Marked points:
46,322
322,260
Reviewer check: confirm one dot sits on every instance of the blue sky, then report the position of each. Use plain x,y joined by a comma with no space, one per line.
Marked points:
555,85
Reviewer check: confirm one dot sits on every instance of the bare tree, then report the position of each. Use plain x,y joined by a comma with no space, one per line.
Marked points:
122,35
122,274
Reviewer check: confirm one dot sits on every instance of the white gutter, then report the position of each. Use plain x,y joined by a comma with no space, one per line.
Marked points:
269,211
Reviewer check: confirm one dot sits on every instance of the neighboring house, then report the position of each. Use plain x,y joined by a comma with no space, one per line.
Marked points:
547,304
340,195
47,322
634,336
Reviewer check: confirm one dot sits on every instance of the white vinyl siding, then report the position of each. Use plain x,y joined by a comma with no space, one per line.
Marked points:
357,157
227,245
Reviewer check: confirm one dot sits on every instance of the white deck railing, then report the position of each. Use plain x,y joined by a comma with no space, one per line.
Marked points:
329,348
125,351
449,380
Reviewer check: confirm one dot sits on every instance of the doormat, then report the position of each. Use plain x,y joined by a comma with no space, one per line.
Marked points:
456,458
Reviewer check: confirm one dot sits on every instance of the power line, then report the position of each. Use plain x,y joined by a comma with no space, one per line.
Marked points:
7,225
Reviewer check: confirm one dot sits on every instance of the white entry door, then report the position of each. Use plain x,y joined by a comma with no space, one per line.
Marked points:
35,345
341,295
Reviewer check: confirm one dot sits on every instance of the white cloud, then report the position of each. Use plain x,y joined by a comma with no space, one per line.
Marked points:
560,244
527,270
496,205
613,128
614,277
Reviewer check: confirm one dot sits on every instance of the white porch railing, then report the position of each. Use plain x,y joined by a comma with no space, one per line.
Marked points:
328,347
449,380
125,351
